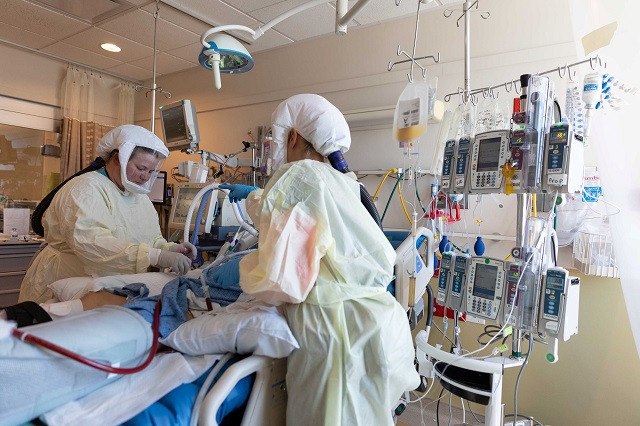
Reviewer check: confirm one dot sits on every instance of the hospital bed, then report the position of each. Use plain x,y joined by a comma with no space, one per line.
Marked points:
131,399
76,394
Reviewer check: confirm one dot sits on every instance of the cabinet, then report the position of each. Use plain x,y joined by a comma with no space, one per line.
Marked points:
14,260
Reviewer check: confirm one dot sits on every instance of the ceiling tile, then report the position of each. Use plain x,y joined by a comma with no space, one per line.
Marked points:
141,2
380,10
178,18
312,22
82,56
133,72
269,40
215,12
139,26
188,53
23,37
165,64
250,5
92,38
39,20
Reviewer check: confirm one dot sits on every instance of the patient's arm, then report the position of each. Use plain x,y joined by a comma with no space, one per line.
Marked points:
96,299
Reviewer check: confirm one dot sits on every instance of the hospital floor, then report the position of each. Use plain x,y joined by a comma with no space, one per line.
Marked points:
413,417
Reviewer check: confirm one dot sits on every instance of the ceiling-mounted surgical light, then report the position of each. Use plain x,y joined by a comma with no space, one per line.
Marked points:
225,54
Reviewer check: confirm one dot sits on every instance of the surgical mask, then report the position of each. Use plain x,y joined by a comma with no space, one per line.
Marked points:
139,167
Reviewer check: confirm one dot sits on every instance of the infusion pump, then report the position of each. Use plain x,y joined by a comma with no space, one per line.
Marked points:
489,153
485,284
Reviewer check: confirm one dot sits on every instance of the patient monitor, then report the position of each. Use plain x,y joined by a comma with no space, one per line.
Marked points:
180,126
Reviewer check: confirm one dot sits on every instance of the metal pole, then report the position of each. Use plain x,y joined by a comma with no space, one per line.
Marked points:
467,49
253,165
153,90
521,220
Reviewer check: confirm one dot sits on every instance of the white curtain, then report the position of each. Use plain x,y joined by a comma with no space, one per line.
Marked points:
93,104
614,136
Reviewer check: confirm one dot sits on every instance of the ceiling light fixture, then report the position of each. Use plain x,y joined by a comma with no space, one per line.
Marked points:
223,53
110,47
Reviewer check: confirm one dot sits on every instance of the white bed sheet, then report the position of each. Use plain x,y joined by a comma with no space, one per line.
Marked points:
131,394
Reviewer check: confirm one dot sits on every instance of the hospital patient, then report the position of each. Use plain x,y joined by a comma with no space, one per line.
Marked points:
101,222
323,258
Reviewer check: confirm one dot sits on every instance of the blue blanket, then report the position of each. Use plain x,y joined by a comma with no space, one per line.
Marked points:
222,283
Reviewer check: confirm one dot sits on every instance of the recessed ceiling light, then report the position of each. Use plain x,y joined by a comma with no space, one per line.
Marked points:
110,47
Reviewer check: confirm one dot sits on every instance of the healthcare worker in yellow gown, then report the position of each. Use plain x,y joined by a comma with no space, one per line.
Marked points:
101,222
322,257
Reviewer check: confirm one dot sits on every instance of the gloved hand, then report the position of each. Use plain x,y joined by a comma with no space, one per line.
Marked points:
186,248
178,262
228,274
237,192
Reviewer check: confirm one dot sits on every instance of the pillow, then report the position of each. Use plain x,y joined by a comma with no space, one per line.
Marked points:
243,328
76,287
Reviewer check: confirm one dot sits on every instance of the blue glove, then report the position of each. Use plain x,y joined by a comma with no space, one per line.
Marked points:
228,274
237,192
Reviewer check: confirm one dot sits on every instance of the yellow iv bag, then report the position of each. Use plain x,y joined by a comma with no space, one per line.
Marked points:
411,114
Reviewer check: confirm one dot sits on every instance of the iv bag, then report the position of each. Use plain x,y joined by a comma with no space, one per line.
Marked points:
411,114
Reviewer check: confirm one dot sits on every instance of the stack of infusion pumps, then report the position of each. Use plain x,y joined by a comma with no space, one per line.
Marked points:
509,293
537,155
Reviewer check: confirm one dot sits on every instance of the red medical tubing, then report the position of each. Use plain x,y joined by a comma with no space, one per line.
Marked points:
26,337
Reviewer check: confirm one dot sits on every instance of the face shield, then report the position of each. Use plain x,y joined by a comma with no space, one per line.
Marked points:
139,167
141,155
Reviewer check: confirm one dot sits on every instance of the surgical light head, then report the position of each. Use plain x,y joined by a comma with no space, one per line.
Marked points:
141,154
225,54
316,119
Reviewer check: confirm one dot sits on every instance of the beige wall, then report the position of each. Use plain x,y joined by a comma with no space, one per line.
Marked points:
596,380
25,75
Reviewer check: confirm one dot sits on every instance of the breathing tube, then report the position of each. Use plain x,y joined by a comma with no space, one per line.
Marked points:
340,164
36,218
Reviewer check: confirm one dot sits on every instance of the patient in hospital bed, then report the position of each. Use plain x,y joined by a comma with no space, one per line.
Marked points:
203,312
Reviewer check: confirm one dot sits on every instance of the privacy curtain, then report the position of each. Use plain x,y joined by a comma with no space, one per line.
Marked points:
93,104
614,133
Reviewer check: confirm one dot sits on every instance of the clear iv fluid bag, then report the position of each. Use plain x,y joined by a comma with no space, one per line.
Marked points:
411,114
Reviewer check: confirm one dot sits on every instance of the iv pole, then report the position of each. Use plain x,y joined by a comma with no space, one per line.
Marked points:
154,88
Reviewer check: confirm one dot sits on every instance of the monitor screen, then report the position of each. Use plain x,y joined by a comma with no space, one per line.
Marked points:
175,127
484,284
159,189
489,154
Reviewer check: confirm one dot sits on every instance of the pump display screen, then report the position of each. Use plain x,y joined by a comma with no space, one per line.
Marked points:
555,283
175,128
489,154
484,284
